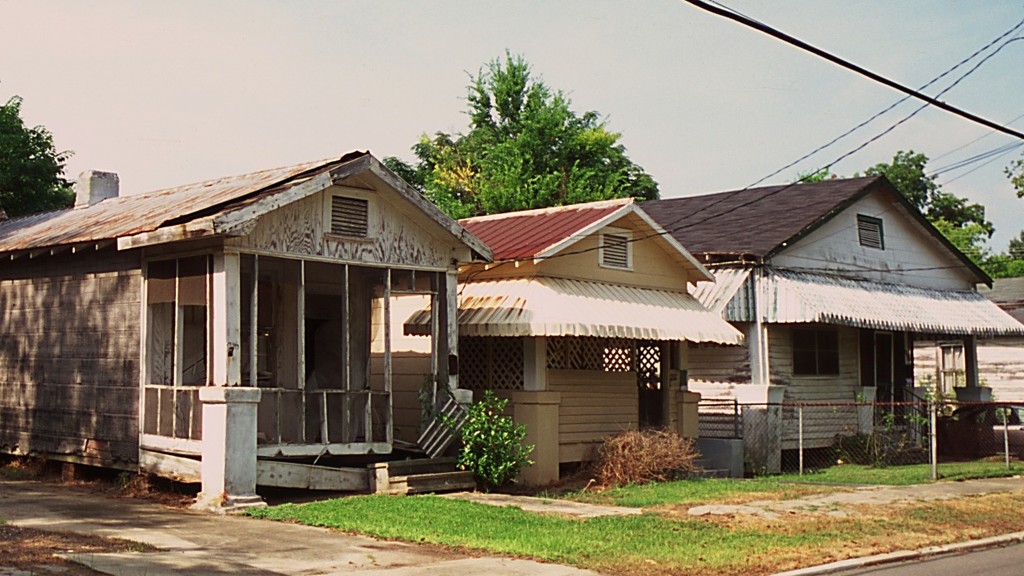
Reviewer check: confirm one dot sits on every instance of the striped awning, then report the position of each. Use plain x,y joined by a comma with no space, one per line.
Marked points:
542,306
789,296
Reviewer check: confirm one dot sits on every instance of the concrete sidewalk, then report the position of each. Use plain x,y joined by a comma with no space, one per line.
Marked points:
200,543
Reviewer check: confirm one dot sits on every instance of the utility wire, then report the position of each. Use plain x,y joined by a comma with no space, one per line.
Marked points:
765,29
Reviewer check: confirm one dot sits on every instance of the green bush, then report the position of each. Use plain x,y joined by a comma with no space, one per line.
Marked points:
492,443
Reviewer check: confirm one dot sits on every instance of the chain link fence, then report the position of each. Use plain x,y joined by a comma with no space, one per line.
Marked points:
810,436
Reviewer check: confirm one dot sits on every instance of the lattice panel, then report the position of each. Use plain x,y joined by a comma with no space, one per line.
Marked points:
491,363
597,354
473,363
506,367
648,360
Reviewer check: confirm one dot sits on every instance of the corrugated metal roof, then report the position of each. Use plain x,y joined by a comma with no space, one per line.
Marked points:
135,214
715,296
531,233
543,306
797,297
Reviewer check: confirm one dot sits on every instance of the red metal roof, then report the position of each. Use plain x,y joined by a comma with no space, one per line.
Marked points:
530,233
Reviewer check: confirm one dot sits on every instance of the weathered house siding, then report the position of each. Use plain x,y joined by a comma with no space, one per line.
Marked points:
909,257
821,424
594,405
69,356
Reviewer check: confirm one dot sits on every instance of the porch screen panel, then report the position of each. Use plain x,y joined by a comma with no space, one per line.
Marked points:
160,289
193,285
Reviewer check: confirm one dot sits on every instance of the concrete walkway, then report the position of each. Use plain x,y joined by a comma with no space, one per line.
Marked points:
200,543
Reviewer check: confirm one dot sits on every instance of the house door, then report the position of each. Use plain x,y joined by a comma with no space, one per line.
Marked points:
884,368
651,396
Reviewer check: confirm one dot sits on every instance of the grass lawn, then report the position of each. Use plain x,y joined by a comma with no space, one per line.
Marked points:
665,540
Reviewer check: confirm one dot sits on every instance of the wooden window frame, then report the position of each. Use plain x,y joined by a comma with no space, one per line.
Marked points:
819,349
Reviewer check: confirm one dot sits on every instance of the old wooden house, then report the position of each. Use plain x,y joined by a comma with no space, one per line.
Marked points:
832,283
581,321
222,331
940,365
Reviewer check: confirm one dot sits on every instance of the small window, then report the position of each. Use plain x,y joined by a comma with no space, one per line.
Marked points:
616,250
815,352
869,232
349,216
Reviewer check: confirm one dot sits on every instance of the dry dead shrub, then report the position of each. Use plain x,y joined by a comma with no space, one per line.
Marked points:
642,456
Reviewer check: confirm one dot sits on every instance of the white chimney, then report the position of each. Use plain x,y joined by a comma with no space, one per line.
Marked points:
94,186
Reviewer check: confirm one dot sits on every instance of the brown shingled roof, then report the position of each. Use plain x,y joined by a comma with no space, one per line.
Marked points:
757,221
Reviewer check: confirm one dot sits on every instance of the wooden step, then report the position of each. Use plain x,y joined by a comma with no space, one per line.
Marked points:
434,482
420,466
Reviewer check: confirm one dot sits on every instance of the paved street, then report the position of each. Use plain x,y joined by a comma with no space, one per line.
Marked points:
1008,560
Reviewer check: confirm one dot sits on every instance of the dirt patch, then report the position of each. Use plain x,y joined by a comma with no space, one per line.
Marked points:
37,550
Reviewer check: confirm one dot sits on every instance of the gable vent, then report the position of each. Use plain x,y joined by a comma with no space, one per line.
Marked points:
615,250
869,232
349,216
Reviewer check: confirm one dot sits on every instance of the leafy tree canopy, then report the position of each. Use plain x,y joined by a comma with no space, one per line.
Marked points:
1015,172
525,148
31,170
907,173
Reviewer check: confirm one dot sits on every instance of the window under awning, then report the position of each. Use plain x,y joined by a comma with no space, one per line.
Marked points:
798,297
543,306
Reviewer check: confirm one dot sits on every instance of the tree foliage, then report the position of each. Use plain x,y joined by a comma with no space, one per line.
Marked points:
907,174
31,170
525,148
1015,172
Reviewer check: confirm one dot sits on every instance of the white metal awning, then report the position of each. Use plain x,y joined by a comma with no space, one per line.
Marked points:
793,297
542,306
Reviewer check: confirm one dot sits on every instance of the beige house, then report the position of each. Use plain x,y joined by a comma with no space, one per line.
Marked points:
582,320
224,331
832,283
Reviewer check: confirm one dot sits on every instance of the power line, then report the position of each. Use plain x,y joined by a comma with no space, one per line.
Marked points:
765,29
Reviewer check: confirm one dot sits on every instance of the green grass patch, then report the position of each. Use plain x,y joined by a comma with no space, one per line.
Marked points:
629,543
905,475
661,544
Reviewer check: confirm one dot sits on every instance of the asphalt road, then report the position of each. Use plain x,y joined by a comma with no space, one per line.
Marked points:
1007,560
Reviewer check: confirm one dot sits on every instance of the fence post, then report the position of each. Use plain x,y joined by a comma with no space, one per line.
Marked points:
800,437
1006,438
933,432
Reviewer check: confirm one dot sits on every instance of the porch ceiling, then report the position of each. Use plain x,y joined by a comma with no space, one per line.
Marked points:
794,297
543,306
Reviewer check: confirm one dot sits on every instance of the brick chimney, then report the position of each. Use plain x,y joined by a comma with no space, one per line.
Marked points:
94,186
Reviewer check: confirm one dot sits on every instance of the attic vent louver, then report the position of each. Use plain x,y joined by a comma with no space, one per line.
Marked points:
615,251
869,232
349,216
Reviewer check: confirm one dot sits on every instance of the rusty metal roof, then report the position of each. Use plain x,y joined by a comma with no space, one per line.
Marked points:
545,306
790,296
134,214
538,233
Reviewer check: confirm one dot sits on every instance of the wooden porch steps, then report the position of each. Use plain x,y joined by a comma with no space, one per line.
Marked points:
422,476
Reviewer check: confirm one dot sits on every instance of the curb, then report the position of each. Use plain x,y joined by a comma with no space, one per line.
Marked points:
905,555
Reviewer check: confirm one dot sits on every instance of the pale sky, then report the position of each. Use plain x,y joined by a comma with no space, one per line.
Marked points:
167,93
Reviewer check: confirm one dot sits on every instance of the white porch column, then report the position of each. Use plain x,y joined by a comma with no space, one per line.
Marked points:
226,348
228,468
974,391
535,363
452,327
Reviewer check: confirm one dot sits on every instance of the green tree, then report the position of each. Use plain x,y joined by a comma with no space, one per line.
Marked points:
31,170
1015,172
525,148
907,174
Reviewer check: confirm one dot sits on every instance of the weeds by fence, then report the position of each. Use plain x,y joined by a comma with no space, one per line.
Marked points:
805,437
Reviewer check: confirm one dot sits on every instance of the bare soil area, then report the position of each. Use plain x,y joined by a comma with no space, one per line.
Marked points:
39,551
